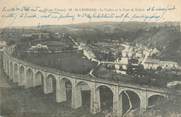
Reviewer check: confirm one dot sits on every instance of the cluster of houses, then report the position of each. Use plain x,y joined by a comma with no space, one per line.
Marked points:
142,56
39,47
132,55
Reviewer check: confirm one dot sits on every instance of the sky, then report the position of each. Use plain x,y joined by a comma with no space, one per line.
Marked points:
174,15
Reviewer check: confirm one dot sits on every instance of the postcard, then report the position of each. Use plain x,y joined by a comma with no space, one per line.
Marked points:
90,58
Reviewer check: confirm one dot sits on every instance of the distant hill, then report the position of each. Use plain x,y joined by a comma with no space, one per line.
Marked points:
164,36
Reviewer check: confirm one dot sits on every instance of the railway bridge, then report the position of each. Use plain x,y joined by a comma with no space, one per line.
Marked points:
29,75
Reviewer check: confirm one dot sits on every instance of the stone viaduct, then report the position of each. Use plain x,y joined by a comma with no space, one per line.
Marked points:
29,75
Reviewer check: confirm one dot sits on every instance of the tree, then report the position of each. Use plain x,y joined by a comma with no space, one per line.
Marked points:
159,68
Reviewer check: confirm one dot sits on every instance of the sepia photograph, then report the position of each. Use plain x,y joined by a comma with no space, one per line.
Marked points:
105,59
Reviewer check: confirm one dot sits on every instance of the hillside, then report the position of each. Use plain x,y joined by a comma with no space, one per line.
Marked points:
166,40
164,36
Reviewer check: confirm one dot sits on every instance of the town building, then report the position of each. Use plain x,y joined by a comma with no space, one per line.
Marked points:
3,44
151,63
168,64
155,63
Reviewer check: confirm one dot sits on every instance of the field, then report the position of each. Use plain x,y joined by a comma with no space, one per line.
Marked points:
66,61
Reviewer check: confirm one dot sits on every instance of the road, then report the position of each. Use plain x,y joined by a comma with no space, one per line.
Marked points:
92,57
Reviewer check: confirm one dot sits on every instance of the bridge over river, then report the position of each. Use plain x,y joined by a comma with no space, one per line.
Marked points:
29,75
